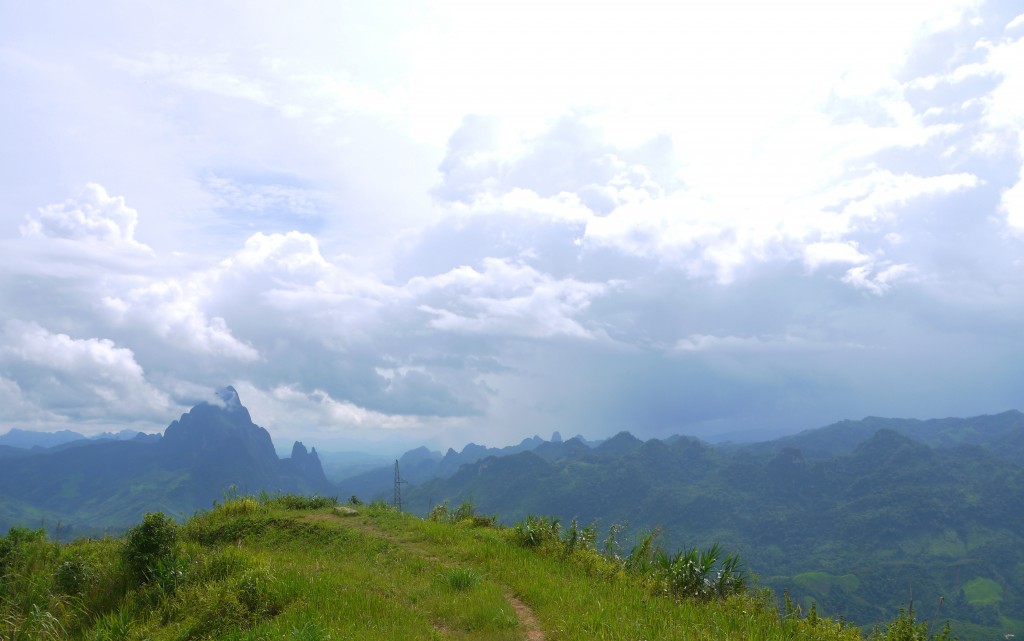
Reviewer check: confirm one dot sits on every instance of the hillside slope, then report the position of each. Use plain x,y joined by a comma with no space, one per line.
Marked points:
851,533
295,568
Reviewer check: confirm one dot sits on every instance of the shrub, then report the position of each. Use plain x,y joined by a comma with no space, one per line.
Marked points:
72,576
150,547
300,502
440,513
12,545
240,506
535,531
465,513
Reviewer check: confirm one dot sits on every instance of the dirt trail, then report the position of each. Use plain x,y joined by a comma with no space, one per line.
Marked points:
526,617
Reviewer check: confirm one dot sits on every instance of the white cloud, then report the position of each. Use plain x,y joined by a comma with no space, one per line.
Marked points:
875,281
116,381
292,413
563,207
401,219
818,254
93,216
293,253
882,192
786,343
507,299
172,310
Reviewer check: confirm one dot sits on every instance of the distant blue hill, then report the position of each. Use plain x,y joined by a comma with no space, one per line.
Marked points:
28,439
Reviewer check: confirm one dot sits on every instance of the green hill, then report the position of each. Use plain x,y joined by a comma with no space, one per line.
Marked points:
891,518
306,569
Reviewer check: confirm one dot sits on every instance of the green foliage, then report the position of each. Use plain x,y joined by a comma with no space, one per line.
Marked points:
982,591
149,548
460,579
14,544
844,525
905,627
537,531
309,574
73,576
440,513
465,513
299,502
694,574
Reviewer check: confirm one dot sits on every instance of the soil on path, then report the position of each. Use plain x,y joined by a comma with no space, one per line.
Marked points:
527,618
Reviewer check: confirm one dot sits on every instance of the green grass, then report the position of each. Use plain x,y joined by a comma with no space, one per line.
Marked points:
982,591
296,568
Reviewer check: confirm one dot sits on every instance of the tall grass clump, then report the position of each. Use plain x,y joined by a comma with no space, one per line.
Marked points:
300,502
459,579
465,514
690,574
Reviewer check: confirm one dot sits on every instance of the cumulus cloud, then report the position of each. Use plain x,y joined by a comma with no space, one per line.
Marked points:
172,310
424,243
88,377
92,216
290,412
294,253
508,300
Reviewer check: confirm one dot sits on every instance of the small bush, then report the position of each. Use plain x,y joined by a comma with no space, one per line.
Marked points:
149,547
535,531
440,513
240,506
299,502
12,546
465,513
72,576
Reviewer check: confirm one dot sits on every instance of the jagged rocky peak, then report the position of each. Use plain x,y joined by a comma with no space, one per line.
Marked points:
299,452
219,426
305,464
556,437
229,396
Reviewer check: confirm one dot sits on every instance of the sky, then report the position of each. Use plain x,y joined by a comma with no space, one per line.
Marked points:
406,222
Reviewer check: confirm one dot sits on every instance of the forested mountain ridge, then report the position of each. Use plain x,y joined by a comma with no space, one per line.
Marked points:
1002,434
89,486
854,533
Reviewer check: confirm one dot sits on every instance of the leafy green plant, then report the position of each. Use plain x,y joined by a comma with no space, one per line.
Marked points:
906,627
149,547
535,531
73,575
300,502
440,513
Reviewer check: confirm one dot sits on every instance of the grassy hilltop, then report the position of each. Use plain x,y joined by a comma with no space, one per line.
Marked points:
300,568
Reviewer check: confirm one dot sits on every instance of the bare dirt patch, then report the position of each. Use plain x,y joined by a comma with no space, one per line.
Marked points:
317,517
527,618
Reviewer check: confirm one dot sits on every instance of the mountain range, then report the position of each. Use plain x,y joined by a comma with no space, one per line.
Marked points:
855,518
84,486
